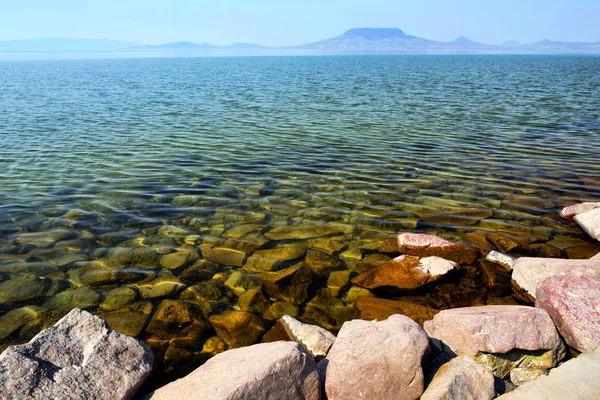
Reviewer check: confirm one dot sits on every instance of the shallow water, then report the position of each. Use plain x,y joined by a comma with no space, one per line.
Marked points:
162,177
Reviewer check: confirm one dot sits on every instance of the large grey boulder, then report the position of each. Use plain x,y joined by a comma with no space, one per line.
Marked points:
376,360
578,378
278,370
78,358
528,272
461,379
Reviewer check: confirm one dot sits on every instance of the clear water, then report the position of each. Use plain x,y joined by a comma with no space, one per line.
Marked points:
171,154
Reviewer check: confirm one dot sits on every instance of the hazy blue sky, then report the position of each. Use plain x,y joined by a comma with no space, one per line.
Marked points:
281,22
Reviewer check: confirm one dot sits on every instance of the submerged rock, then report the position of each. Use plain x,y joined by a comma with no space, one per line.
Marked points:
273,259
44,238
119,298
238,328
573,303
292,285
298,232
77,298
129,320
172,316
422,245
503,242
372,308
377,360
26,287
163,286
461,379
529,272
589,221
320,261
224,256
405,272
280,370
13,320
327,311
78,358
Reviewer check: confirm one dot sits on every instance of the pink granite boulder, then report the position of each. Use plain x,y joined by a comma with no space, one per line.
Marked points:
377,360
573,303
422,245
493,329
589,221
571,211
278,370
461,379
528,272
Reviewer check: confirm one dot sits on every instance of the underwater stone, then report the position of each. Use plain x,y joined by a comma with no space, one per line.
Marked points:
299,232
503,242
240,281
205,291
422,245
118,298
320,261
78,298
272,259
224,256
279,309
163,286
370,308
129,320
254,300
26,287
462,217
355,293
327,311
372,261
13,320
338,281
44,238
290,285
238,328
171,316
181,258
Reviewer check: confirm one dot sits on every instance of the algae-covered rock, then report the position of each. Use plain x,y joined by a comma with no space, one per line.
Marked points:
240,281
201,270
205,291
129,320
163,286
44,238
171,317
292,285
254,300
26,287
320,261
224,256
13,320
338,281
327,311
238,328
77,298
180,258
119,298
278,309
272,259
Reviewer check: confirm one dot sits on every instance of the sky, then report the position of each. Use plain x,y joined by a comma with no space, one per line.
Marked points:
281,22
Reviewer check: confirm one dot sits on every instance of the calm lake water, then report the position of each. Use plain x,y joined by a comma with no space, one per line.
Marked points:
193,201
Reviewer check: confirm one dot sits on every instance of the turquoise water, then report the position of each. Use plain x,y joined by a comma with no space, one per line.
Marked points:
181,156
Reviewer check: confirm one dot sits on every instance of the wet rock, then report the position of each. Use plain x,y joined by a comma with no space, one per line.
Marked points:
355,293
142,257
273,259
240,231
583,252
299,232
352,254
172,316
74,245
44,238
320,261
327,311
578,378
165,285
94,273
181,258
504,260
571,211
545,250
370,308
574,305
338,281
361,363
479,241
13,320
281,370
254,300
422,245
405,272
372,261
493,329
76,298
292,285
238,328
224,256
205,291
461,379
278,309
529,272
519,376
201,270
502,363
503,242
328,245
27,287
129,320
119,298
564,242
497,279
240,281
78,358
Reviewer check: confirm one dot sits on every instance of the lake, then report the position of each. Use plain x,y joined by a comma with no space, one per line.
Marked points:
193,201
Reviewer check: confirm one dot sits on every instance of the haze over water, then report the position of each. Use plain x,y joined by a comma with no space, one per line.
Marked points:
179,153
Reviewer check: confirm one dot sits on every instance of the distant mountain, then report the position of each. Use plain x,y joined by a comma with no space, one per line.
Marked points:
467,43
393,39
62,44
376,39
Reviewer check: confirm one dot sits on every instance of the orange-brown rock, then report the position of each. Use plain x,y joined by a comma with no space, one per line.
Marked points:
405,272
370,308
422,245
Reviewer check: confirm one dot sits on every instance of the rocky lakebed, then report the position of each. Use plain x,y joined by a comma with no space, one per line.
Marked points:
541,340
